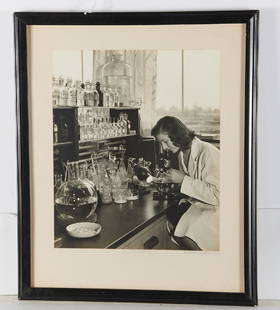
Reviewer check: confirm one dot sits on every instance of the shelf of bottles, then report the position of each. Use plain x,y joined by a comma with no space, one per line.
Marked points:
97,125
69,93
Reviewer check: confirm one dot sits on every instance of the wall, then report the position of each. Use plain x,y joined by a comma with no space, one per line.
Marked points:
268,125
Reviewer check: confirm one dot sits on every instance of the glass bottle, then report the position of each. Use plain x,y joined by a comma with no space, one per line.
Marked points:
124,123
94,131
60,86
111,97
95,96
81,95
115,128
128,123
90,96
63,95
106,97
132,191
72,94
100,94
116,97
55,91
89,116
55,133
60,81
87,94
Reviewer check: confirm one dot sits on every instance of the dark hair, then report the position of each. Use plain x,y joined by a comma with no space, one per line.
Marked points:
177,131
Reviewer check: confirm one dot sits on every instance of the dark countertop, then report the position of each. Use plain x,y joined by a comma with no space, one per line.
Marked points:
119,223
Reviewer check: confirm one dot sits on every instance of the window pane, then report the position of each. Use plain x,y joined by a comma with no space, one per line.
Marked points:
188,87
169,84
202,91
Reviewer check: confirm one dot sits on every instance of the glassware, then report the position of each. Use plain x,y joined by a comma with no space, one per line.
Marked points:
119,188
106,97
100,94
55,133
120,182
55,91
105,186
92,173
72,94
128,123
119,128
117,74
87,94
116,97
79,94
115,128
111,97
120,195
76,199
57,181
122,171
95,95
63,99
125,124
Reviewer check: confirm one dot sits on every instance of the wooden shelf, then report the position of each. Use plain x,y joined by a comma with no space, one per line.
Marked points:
60,107
111,108
104,139
62,143
124,108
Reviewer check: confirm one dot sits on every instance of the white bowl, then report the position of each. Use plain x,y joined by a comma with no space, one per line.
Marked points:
83,229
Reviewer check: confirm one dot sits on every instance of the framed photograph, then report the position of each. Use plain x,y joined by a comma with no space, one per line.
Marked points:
137,156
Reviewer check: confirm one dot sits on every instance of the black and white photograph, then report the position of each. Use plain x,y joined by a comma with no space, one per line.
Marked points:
137,156
136,143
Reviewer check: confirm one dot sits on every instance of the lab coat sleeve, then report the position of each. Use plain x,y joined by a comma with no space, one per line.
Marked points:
206,187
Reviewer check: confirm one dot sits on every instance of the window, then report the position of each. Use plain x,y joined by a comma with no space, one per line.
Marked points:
188,87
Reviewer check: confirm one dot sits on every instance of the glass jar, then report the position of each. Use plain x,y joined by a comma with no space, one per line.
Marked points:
117,74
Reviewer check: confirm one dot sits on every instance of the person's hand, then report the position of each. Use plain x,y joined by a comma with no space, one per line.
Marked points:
174,176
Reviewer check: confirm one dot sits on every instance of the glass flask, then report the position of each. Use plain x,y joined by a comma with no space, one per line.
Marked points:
132,192
117,74
104,183
76,198
120,183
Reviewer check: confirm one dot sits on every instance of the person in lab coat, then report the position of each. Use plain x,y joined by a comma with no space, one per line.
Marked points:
197,226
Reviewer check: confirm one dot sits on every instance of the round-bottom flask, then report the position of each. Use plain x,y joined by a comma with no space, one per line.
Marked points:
76,201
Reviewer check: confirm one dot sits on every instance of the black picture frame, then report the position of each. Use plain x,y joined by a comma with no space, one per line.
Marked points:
25,291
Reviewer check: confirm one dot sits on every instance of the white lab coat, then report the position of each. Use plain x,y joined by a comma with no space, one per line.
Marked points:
201,183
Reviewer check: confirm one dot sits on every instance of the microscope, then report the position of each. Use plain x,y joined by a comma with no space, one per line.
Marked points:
164,190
